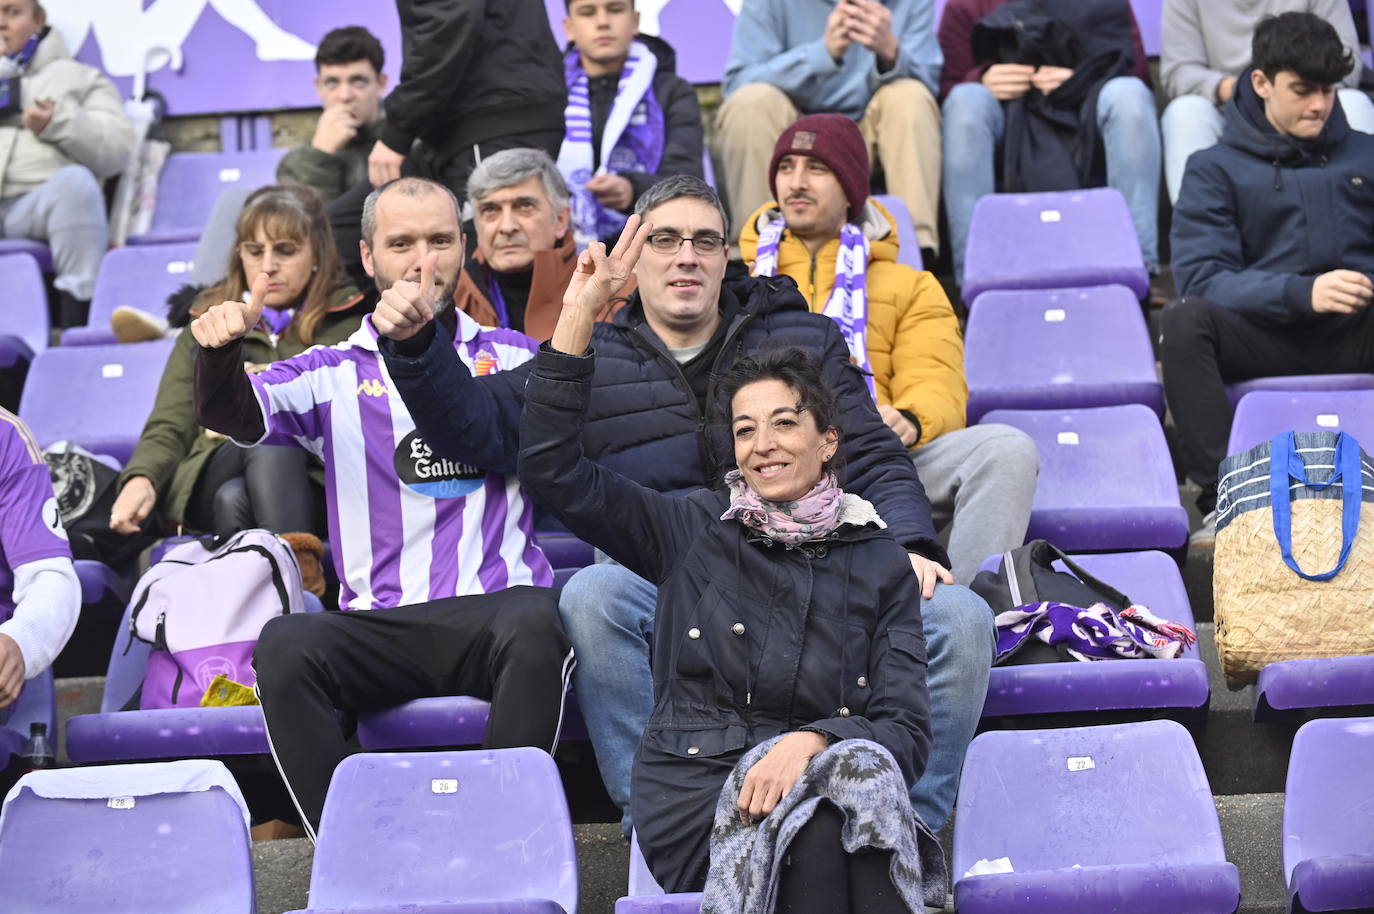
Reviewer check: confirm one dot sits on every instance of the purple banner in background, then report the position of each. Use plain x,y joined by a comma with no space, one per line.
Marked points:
257,55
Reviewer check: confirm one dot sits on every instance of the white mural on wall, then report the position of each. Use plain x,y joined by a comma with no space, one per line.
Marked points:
126,32
649,9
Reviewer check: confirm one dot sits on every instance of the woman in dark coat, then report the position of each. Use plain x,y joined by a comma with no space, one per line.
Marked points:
788,626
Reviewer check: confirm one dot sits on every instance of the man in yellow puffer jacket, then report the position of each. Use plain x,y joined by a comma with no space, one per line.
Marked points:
902,329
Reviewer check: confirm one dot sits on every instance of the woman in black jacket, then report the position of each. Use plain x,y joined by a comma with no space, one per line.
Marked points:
788,629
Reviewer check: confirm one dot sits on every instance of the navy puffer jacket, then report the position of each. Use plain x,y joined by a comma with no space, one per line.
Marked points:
1260,215
644,421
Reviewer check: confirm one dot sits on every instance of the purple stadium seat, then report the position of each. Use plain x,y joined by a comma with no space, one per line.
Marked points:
181,852
1265,413
564,550
116,735
1300,382
104,595
35,249
1117,818
36,704
645,896
447,720
1151,579
96,396
137,277
1059,348
908,248
1328,844
191,182
1302,685
483,831
1106,480
1053,241
1149,16
25,309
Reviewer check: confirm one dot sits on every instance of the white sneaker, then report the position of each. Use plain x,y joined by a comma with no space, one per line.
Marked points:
1205,536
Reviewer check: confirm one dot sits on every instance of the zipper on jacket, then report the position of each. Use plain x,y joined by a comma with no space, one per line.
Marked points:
811,301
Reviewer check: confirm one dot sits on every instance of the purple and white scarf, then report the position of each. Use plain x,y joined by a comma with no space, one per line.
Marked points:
848,303
17,64
632,141
1096,633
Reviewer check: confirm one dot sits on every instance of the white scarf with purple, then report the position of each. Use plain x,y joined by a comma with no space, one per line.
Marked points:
631,141
848,302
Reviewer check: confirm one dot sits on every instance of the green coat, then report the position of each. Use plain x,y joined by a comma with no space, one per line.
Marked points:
173,449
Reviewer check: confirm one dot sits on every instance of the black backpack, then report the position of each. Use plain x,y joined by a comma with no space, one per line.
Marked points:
86,489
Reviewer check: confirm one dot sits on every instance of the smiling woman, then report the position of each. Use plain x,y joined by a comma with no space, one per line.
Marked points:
782,673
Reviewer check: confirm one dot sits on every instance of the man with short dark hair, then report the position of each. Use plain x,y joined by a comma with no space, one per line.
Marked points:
631,121
431,553
62,131
350,83
1273,241
655,392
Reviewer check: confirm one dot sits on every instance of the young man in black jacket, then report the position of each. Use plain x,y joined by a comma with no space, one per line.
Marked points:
631,120
476,77
651,415
1273,241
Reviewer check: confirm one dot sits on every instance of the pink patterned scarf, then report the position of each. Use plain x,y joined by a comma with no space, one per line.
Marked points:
811,517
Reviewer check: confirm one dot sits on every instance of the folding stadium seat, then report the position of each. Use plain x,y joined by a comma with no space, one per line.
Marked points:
127,839
117,735
1234,392
1265,413
36,704
1328,844
96,396
191,182
475,832
137,277
104,596
1059,348
646,896
1314,685
25,331
1117,818
909,249
1052,241
35,249
1106,480
1177,686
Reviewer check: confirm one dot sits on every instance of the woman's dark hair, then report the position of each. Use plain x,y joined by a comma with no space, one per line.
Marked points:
286,212
1300,43
798,371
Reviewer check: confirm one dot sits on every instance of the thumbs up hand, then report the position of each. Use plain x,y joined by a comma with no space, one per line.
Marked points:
408,306
231,320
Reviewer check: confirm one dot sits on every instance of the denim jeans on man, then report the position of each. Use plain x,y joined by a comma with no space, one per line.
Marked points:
973,126
608,612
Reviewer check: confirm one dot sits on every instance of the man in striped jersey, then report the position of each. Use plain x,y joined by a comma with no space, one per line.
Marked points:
439,539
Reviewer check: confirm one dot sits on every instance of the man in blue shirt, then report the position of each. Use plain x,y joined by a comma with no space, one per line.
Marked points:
876,61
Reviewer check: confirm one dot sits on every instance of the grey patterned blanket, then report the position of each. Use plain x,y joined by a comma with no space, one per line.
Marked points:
861,778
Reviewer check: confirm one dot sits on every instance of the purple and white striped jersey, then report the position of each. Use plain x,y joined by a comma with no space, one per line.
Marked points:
406,526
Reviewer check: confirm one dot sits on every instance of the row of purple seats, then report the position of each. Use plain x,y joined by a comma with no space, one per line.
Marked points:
39,251
133,277
191,182
1328,844
26,318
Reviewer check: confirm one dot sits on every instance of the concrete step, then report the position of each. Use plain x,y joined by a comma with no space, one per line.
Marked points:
1252,827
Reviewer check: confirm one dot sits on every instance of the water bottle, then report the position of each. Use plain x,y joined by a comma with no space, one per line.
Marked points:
38,751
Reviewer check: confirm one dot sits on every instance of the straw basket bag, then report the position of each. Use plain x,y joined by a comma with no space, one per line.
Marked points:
1286,507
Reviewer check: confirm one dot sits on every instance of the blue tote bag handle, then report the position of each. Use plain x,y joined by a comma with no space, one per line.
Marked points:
1285,464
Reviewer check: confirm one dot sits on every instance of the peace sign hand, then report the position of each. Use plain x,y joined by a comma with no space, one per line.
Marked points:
231,320
597,278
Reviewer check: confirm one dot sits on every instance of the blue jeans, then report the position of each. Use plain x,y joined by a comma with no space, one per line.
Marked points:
973,125
608,612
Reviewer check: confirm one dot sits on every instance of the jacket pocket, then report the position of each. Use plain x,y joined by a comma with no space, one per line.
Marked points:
700,743
909,643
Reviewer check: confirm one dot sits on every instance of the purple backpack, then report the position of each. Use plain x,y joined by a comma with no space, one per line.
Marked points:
202,608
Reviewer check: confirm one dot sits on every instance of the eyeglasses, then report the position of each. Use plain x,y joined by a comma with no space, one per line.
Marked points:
282,251
671,242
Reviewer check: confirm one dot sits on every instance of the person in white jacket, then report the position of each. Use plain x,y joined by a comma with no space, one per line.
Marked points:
63,130
1206,46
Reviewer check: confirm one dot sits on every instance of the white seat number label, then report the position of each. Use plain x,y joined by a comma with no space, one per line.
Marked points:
1068,437
444,785
229,175
122,803
1054,315
1328,420
112,370
1050,215
1081,763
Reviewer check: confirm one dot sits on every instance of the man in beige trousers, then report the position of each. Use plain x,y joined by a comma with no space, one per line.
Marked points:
876,61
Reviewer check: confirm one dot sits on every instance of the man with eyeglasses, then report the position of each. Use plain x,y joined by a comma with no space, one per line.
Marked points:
654,397
350,83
